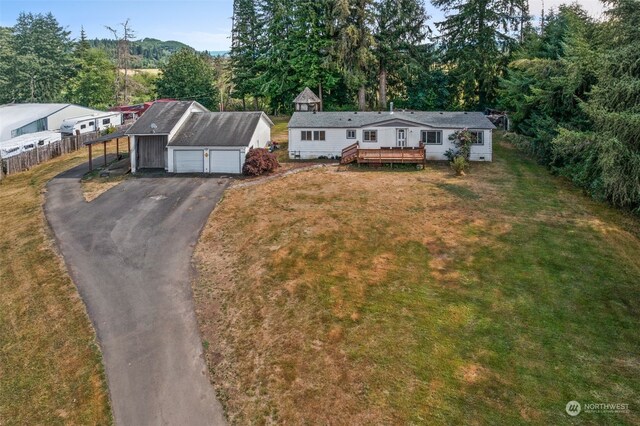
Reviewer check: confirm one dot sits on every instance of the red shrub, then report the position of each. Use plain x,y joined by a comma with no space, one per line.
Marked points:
259,161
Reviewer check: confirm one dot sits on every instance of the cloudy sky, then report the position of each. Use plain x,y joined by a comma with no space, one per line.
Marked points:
202,24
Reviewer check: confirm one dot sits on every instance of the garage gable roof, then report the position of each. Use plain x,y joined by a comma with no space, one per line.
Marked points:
218,129
165,116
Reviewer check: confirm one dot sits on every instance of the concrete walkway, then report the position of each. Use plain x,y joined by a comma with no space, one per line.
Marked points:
129,253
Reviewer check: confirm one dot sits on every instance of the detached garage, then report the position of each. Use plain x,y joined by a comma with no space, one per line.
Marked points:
217,142
184,137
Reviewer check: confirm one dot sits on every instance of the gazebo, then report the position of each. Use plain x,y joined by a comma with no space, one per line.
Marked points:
307,101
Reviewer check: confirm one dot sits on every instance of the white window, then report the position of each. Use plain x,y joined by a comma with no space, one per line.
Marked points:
479,137
318,135
431,137
106,121
351,134
370,135
305,135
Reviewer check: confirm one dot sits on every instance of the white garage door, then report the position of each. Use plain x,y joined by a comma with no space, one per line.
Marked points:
224,161
191,161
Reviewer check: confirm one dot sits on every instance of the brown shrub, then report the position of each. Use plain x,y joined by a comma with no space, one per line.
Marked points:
259,161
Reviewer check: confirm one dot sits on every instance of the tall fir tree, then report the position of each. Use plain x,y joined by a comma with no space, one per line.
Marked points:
477,37
400,28
246,33
351,29
42,61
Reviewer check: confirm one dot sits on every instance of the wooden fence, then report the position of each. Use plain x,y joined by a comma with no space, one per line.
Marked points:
28,159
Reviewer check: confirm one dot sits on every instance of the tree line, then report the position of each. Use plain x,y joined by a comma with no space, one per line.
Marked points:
570,84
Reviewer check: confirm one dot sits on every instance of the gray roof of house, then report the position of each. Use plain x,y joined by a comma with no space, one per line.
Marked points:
306,97
165,115
436,119
218,129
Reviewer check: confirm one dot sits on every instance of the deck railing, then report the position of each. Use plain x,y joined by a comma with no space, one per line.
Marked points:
386,155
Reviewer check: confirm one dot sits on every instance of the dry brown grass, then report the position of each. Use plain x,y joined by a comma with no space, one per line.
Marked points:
50,364
359,297
92,189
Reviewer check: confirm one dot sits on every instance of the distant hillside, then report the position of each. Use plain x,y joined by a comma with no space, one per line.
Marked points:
148,52
218,52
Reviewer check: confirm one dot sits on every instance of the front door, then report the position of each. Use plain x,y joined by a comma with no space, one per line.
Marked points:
401,138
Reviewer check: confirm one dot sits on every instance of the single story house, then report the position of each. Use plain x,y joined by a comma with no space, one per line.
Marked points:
20,119
185,137
326,134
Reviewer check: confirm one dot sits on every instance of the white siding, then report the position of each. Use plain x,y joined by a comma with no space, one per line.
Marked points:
336,140
54,121
261,135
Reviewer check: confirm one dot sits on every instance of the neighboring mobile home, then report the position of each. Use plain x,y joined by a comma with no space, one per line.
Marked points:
185,137
326,134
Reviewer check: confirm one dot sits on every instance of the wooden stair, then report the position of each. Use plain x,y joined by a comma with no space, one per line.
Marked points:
349,154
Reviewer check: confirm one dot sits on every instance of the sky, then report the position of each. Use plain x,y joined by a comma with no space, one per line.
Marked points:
202,24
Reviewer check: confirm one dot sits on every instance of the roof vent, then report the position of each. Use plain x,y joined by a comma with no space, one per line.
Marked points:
349,120
465,112
314,112
356,112
379,112
440,113
411,112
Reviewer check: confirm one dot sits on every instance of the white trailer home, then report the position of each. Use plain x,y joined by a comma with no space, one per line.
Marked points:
90,123
326,134
27,142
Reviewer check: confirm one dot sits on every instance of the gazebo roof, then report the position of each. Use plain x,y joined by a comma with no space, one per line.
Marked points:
306,97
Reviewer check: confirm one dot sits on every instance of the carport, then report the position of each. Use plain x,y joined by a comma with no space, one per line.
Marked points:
118,136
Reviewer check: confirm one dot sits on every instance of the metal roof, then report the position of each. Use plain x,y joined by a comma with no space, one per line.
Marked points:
122,132
165,116
218,129
14,116
306,97
435,119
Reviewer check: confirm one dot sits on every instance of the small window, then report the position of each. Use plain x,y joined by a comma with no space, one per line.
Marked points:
305,135
40,143
106,121
351,134
479,137
431,137
370,135
91,123
83,126
318,135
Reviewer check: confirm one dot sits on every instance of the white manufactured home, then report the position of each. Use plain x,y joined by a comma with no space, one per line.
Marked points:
90,123
185,137
327,134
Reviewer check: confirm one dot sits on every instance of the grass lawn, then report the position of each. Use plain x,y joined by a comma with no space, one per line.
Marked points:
50,365
412,297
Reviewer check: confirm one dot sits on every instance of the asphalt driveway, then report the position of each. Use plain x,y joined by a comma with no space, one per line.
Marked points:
129,254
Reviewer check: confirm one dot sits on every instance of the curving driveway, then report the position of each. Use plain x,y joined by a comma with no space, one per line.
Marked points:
129,253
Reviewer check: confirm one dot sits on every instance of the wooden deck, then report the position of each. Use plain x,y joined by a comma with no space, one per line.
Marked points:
353,153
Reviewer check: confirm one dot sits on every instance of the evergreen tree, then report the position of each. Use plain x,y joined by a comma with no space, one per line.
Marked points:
246,34
477,37
400,28
351,29
606,161
189,75
41,62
